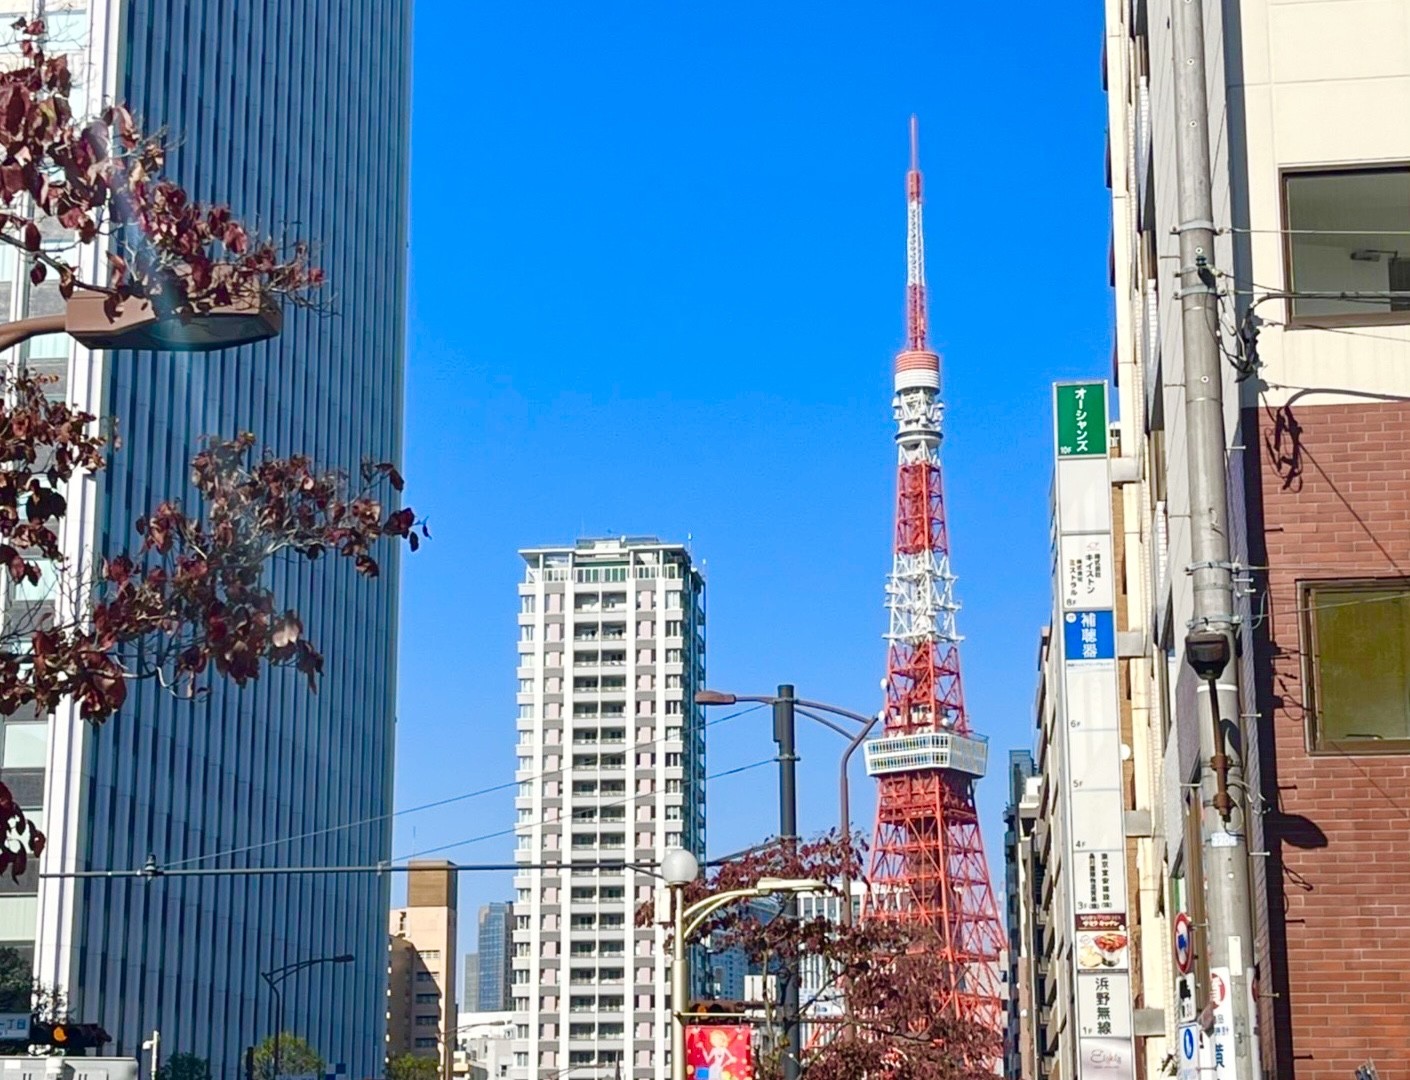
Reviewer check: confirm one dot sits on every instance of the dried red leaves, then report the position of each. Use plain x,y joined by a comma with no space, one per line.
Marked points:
102,178
888,972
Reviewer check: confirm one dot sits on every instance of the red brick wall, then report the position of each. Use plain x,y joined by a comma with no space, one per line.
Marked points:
1335,503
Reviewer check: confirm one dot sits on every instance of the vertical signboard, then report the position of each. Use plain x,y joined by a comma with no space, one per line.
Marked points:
718,1052
1085,594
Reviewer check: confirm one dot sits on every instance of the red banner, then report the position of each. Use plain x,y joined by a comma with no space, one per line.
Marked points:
718,1052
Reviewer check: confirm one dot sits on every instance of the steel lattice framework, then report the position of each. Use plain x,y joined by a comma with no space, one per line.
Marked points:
927,864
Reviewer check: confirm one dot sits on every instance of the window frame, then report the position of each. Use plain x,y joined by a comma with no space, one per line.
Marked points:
1311,674
1294,321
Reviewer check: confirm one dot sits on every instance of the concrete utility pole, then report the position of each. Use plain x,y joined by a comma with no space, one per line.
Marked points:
785,732
1209,648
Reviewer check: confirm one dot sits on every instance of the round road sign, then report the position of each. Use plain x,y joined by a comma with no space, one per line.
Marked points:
1184,943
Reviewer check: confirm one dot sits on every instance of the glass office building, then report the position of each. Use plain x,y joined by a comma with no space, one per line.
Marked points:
295,112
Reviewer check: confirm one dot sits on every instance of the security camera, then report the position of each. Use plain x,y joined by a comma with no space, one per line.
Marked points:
1207,651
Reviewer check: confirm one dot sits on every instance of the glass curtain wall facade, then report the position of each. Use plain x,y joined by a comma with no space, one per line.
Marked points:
295,112
495,921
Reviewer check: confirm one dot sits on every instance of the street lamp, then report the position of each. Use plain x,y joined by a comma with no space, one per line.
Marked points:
680,868
810,709
784,706
277,975
134,324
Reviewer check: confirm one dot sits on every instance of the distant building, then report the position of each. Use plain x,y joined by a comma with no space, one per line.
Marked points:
496,922
818,991
1022,881
421,969
484,1045
470,984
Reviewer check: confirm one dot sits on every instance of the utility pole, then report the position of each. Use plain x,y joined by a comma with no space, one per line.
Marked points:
1210,645
784,731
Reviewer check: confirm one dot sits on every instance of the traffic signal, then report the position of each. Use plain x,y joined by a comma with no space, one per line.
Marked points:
62,1035
719,1008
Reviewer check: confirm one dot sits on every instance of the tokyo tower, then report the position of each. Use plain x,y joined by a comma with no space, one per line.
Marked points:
927,863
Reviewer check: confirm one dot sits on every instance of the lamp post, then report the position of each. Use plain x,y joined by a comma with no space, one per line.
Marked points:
679,867
784,704
811,709
275,976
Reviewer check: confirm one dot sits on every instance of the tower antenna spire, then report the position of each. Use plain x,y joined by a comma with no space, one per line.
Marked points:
916,329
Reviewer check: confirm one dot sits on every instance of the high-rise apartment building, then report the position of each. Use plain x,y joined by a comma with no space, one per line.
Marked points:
268,110
611,770
421,1012
493,941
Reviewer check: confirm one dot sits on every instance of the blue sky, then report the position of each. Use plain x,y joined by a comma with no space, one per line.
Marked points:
657,282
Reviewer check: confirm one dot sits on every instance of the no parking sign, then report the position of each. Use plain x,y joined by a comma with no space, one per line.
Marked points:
1184,943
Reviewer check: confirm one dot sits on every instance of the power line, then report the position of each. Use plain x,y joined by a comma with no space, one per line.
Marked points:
424,806
153,870
1317,232
559,820
1348,331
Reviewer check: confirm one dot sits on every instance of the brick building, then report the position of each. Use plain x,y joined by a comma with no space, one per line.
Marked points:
1310,158
1333,670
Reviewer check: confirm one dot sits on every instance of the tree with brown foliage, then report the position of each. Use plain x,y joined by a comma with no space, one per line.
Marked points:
883,974
191,601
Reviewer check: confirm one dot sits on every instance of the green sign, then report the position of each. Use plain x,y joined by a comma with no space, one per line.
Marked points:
1081,419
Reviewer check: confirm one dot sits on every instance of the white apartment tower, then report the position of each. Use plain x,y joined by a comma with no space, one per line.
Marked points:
611,769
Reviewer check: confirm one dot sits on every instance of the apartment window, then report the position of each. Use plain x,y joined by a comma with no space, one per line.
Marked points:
425,977
1356,653
433,1020
425,1044
1348,233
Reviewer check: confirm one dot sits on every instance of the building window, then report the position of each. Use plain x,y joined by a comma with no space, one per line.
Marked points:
425,1044
428,1021
1348,233
1357,665
26,744
428,999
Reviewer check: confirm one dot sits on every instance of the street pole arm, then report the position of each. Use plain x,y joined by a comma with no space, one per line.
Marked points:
844,802
846,714
832,725
695,916
15,333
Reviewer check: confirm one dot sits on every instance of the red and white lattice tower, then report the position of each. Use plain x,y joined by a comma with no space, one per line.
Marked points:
927,861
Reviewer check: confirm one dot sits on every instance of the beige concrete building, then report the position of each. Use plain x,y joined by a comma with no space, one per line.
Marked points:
421,1017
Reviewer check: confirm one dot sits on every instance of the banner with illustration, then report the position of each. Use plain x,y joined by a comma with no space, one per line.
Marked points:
718,1052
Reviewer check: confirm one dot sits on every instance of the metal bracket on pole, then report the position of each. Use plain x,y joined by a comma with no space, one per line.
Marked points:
1192,226
1213,622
